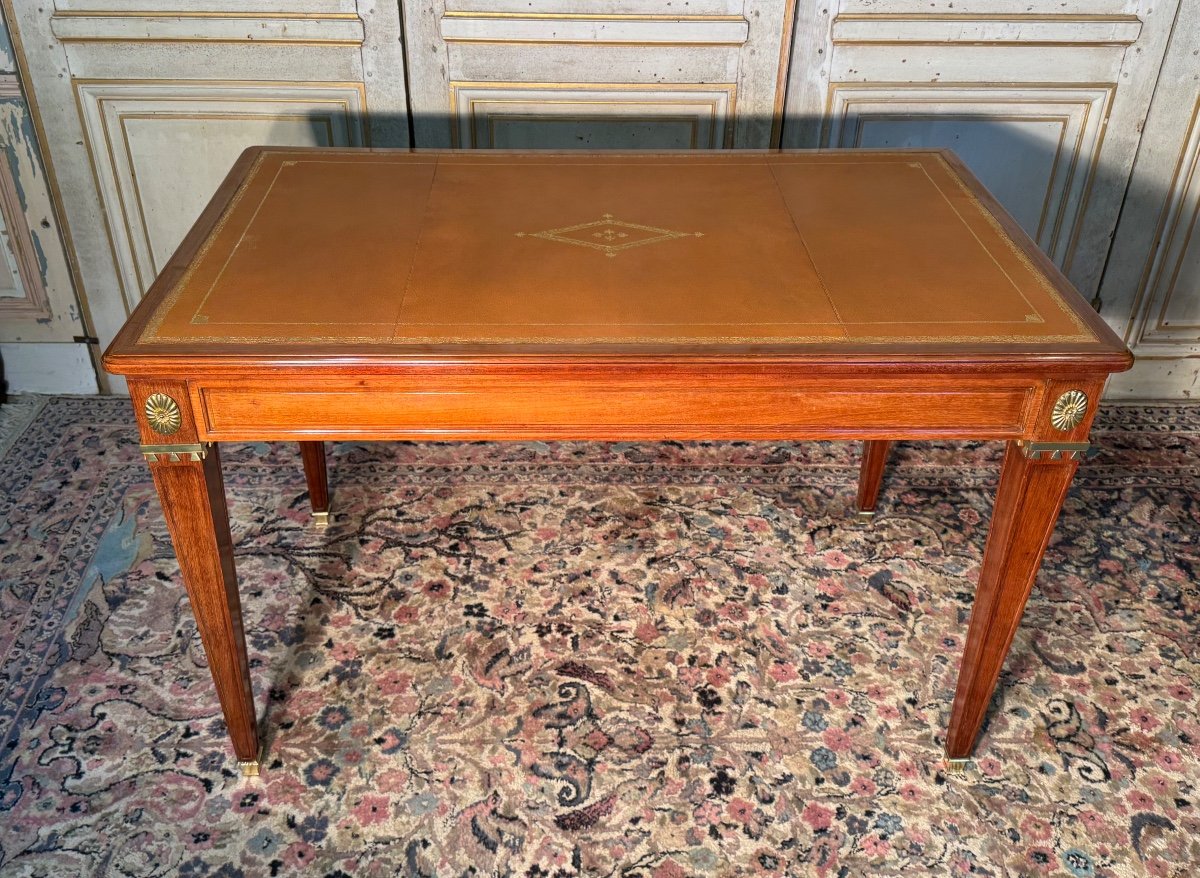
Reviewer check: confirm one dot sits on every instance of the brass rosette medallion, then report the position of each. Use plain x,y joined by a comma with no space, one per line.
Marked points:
163,414
1069,410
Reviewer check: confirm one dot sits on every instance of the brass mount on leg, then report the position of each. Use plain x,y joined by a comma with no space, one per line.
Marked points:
175,453
321,520
865,516
1054,450
956,766
251,767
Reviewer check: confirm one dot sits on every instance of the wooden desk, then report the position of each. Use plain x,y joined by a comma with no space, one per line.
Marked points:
335,294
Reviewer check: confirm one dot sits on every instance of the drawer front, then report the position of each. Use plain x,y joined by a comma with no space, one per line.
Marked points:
524,407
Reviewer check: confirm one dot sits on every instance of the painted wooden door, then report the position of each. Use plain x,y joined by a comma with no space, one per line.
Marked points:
628,74
1151,290
144,106
41,325
1045,103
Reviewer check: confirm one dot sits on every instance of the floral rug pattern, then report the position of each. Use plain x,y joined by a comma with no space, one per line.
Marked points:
574,659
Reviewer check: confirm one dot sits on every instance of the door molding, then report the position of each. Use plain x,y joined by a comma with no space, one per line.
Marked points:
1080,109
107,106
477,107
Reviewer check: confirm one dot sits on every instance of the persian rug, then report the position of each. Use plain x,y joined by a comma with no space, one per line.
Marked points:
16,414
574,659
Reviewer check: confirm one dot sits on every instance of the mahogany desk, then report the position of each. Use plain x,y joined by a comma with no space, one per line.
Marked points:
357,294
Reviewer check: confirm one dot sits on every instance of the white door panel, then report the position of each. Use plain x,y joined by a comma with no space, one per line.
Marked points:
1151,290
140,133
1034,146
618,74
1044,104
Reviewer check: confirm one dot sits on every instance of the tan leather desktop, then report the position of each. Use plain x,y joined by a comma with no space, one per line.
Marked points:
373,294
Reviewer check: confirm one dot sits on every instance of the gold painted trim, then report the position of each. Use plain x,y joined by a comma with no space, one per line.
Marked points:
610,233
1040,44
1066,17
1022,257
166,13
227,83
198,40
884,85
461,14
597,86
599,44
1019,253
1053,450
149,333
585,16
1085,196
175,453
1061,214
590,16
713,106
1000,17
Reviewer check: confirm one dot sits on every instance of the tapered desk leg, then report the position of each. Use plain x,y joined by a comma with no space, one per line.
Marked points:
874,459
318,480
193,501
1032,489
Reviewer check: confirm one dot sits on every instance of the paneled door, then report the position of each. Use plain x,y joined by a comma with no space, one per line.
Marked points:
1151,290
1044,102
42,330
145,104
626,74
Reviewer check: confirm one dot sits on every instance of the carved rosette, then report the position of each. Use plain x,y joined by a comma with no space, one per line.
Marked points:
162,413
1069,410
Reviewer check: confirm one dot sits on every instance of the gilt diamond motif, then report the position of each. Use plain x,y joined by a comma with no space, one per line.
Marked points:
609,235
